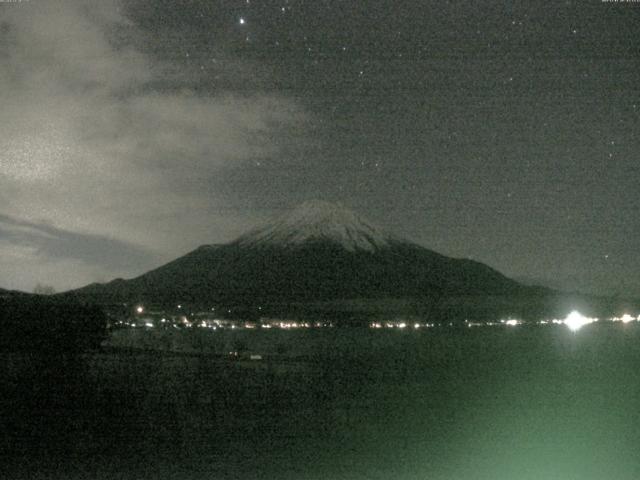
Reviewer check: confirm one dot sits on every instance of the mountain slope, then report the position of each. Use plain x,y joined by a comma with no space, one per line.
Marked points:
10,294
319,251
319,221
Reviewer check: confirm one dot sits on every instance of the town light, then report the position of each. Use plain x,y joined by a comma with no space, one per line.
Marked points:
575,321
626,318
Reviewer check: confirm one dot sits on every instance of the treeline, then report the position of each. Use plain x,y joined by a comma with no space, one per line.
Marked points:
38,324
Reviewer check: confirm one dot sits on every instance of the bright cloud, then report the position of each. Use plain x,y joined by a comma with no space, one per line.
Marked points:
90,148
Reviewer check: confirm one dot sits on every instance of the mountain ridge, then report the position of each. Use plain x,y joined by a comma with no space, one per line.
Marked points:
320,220
317,252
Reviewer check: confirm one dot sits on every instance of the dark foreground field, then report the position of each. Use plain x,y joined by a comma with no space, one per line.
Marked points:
482,403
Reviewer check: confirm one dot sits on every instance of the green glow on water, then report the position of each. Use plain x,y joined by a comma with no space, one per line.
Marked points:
484,404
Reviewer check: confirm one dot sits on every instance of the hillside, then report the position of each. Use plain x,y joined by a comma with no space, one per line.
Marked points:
317,252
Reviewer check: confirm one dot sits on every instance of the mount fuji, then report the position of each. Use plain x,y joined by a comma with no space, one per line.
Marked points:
319,251
319,221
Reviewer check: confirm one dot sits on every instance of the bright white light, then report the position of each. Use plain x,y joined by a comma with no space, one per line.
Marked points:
575,321
626,318
148,324
512,323
242,21
140,309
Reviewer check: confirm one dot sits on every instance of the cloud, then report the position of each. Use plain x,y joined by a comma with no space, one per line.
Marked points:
47,241
94,147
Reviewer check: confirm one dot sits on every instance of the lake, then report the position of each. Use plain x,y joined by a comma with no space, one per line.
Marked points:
512,403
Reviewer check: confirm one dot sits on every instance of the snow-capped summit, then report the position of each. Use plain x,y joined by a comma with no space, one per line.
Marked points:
320,221
317,252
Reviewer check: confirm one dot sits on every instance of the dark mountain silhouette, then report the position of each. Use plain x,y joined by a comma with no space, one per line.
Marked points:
10,294
40,324
318,252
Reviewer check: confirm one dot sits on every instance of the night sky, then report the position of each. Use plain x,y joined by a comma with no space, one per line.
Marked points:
506,132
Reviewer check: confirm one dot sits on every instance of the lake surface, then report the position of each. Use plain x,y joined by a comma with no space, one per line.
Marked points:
510,403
